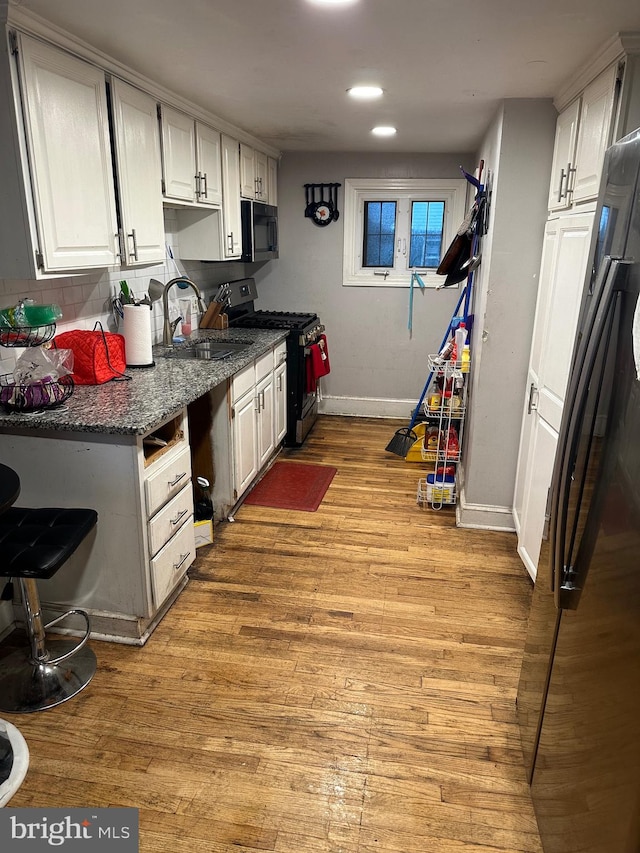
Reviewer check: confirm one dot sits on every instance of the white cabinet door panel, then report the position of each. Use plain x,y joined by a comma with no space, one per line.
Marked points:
245,442
543,450
564,151
67,127
232,237
247,172
594,134
179,155
209,161
264,391
137,145
574,235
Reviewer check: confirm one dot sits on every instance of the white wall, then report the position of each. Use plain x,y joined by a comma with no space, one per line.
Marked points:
517,150
377,368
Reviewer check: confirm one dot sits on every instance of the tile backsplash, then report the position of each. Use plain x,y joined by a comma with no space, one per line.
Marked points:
86,299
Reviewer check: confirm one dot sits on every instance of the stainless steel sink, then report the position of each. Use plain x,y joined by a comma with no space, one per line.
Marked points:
209,350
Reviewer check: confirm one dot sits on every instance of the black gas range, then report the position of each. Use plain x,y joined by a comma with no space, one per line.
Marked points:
304,331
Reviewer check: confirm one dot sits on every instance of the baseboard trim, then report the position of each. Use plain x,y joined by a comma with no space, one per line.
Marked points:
483,516
367,407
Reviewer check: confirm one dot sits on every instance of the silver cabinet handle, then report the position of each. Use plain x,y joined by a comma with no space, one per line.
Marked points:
256,403
563,175
230,242
262,401
183,560
171,483
198,178
531,406
571,170
280,382
205,192
180,515
133,254
120,252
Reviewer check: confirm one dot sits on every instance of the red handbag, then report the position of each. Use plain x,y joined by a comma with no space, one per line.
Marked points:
98,356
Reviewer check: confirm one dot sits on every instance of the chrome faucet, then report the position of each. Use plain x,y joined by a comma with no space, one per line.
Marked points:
170,326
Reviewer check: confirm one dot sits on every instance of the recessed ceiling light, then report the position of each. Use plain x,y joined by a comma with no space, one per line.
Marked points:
332,2
383,131
365,93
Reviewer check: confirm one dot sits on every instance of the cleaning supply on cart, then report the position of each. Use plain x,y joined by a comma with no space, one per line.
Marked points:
465,359
459,341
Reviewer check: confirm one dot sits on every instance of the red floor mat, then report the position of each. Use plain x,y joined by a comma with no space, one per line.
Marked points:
292,485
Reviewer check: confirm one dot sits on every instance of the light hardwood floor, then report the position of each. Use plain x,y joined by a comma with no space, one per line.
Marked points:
338,681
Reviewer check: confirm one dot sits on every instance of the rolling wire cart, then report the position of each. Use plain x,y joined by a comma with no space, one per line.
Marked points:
444,407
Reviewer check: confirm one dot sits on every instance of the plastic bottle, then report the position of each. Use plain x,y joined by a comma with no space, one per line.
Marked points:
465,358
459,341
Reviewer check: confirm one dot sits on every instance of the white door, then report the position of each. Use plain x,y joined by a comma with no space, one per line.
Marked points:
244,442
137,146
540,469
264,391
594,134
67,126
232,237
178,154
209,161
280,403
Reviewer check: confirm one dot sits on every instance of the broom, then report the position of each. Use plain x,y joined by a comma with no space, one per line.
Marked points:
404,438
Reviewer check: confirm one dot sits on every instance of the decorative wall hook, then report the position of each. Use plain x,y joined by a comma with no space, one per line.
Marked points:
325,210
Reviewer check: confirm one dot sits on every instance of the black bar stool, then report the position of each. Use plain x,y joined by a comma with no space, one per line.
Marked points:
34,544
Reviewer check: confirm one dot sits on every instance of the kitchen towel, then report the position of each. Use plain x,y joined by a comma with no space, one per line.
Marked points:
317,363
136,329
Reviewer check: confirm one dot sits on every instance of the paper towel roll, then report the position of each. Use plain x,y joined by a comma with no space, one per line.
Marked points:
136,329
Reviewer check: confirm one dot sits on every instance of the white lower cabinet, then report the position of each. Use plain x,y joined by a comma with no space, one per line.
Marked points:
127,571
258,415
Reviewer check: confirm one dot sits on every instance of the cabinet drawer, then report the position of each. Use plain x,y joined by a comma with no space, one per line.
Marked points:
167,481
170,519
171,563
264,365
243,381
280,354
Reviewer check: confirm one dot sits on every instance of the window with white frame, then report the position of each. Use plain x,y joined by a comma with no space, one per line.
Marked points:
396,226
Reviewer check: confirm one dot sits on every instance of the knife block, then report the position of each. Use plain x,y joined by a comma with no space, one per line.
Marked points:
221,322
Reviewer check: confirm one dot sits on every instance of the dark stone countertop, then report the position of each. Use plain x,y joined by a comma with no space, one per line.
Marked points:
151,396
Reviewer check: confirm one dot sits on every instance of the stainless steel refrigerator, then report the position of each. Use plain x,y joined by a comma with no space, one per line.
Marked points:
579,691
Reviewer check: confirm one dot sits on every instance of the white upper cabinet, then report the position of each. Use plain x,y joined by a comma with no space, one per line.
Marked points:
69,155
583,133
137,151
232,225
178,154
272,181
209,162
191,159
564,152
257,175
594,136
262,177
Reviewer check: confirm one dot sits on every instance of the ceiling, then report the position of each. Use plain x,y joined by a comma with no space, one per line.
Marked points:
279,69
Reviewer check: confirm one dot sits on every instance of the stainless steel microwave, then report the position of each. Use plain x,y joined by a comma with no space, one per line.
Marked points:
259,231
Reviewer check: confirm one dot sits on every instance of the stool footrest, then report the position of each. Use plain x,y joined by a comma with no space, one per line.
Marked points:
82,641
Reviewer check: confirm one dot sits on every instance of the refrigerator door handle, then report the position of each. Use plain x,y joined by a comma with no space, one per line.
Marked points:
562,574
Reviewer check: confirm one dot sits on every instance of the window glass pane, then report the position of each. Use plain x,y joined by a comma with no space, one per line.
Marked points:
427,222
379,233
